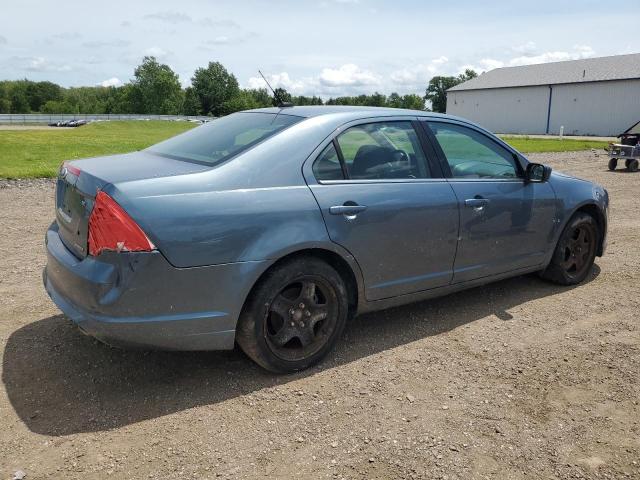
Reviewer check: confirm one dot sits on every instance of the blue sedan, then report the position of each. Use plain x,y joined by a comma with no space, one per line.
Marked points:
270,228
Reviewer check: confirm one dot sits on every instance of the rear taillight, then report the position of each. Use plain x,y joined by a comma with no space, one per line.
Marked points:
67,167
111,228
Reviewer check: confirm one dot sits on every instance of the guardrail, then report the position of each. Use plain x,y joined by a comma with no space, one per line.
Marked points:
44,118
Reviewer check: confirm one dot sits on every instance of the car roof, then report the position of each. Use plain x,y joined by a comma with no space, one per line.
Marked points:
337,115
346,110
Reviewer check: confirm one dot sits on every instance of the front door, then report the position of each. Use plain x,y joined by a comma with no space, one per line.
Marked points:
381,202
506,224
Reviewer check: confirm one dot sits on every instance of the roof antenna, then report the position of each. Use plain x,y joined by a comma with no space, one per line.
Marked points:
281,104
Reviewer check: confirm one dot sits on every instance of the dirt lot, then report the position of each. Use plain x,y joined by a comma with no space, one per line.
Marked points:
517,379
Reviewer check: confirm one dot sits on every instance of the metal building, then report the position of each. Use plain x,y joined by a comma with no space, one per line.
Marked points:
595,96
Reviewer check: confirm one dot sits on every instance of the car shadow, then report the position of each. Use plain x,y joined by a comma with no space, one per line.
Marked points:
61,382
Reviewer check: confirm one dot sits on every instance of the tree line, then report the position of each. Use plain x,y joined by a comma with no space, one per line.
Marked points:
156,89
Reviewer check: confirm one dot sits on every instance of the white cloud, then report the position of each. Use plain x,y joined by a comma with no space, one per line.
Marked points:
111,82
156,52
529,56
490,64
175,18
41,64
405,76
281,79
585,51
348,79
66,36
348,75
3,40
528,48
419,74
169,17
221,40
440,60
224,23
330,3
580,51
229,40
105,43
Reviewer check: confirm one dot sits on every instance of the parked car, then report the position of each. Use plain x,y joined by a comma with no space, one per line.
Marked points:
69,123
270,228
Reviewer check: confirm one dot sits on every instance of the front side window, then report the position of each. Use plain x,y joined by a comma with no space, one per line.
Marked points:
225,137
471,154
383,150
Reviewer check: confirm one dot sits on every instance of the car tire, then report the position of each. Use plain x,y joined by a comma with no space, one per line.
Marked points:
575,252
294,315
613,163
632,165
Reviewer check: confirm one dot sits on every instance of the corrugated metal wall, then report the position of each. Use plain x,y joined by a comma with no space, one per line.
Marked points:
603,108
504,110
598,108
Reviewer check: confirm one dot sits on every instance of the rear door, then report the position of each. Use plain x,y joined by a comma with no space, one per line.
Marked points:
506,223
383,200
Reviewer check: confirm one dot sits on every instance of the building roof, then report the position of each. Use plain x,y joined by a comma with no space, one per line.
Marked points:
618,67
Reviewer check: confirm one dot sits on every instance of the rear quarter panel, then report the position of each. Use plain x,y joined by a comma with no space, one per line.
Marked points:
240,225
254,207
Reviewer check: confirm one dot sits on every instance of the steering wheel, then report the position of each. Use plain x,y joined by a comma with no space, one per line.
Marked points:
400,156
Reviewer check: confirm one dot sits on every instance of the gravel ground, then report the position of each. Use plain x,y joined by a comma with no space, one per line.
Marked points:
513,380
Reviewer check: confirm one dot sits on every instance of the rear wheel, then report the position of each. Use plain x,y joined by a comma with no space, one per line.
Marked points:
632,165
575,252
613,163
294,315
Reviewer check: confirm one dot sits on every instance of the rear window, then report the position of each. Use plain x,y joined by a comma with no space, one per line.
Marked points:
223,138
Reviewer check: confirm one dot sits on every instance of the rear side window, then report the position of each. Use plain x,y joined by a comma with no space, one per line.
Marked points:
374,151
327,166
383,150
225,137
471,154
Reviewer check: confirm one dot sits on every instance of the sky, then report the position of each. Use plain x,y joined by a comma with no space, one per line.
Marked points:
325,47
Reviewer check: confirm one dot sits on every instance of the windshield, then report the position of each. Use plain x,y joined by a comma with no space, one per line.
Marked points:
225,137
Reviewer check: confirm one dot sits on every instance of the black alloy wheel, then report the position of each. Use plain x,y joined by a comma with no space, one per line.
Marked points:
301,317
294,315
575,252
578,249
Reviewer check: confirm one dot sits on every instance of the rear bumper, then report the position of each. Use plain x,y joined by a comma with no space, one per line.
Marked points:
140,300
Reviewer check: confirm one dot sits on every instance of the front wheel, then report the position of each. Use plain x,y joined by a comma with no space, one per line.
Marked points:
632,165
613,163
294,316
576,251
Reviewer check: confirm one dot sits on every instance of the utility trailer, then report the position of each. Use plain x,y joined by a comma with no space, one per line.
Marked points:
628,149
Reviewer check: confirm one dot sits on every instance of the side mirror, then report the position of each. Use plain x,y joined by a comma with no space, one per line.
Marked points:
537,173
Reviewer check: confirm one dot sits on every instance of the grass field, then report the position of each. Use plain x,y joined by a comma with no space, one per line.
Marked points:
38,153
540,145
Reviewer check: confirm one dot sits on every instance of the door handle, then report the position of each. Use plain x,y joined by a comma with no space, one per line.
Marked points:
477,203
348,210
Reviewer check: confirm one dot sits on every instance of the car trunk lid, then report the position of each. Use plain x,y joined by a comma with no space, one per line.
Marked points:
79,181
